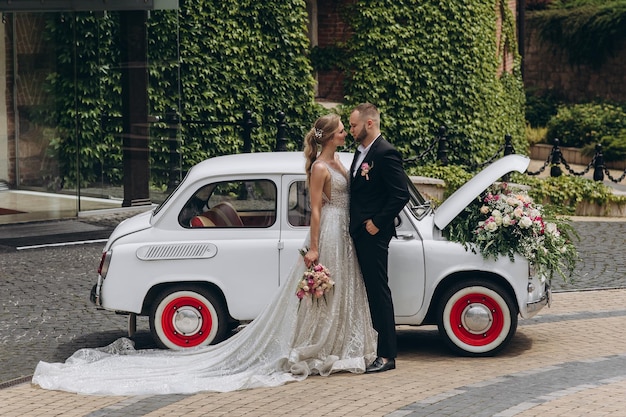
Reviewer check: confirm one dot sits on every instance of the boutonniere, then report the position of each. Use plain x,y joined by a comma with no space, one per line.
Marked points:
365,170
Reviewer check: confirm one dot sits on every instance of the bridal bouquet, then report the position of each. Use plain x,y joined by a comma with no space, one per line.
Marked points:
504,221
315,282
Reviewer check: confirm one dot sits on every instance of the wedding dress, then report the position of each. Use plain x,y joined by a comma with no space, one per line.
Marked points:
288,341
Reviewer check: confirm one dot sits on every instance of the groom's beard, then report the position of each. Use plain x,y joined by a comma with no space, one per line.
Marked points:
361,135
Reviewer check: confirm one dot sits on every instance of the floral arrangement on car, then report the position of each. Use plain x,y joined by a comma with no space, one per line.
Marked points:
504,221
315,282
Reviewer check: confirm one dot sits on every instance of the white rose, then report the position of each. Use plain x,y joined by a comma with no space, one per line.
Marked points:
525,222
506,220
534,213
518,212
484,209
491,227
552,229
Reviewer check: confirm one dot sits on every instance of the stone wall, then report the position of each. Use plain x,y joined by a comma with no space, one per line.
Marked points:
547,68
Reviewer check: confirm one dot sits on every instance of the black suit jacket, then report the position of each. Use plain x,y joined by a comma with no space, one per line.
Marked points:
382,193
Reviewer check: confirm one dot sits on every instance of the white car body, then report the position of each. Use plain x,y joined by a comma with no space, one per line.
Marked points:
194,283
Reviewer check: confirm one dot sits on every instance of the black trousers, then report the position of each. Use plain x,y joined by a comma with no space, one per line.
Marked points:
373,255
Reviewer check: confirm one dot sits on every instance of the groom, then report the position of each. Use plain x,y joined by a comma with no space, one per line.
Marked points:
378,192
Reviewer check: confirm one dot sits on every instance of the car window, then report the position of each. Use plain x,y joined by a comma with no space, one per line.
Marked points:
240,203
299,207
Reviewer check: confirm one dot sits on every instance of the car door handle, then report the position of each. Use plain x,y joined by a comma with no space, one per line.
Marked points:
405,236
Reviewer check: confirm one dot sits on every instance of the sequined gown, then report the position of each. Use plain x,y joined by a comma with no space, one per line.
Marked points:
287,342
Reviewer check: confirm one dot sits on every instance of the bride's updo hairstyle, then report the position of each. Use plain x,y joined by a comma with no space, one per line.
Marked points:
321,132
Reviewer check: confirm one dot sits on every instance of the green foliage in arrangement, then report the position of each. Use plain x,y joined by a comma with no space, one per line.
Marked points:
505,221
586,125
431,64
589,30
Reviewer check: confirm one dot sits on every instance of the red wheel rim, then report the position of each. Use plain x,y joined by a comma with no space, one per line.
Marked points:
169,327
490,334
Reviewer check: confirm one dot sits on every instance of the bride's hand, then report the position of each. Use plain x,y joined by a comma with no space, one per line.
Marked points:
311,258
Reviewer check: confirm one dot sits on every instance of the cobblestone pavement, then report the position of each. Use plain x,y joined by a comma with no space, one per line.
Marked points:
569,360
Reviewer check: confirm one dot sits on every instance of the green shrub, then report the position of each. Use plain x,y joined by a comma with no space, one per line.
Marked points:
535,134
585,124
559,194
563,193
613,147
541,107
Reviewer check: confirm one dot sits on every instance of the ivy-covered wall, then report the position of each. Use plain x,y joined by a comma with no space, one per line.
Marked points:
210,62
427,64
424,65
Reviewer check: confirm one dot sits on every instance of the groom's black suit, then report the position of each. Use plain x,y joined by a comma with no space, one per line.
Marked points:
378,195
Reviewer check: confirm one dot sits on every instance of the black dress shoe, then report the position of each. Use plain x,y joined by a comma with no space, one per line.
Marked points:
379,366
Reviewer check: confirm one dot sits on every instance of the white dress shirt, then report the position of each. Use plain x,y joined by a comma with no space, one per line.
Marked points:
362,155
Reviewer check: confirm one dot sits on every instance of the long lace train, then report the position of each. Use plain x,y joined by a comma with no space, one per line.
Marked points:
288,341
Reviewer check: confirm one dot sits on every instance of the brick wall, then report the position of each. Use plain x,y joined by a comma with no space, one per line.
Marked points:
546,67
330,30
506,58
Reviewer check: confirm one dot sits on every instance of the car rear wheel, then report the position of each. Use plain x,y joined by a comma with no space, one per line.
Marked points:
187,316
477,318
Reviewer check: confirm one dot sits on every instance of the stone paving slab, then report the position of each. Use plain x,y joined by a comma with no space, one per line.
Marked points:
568,361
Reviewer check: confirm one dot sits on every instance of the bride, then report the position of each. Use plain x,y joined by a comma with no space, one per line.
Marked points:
290,340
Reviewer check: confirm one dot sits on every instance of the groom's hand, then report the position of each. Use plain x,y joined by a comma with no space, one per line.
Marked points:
371,227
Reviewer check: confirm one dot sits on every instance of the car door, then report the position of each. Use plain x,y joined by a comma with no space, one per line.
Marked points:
295,215
239,217
406,269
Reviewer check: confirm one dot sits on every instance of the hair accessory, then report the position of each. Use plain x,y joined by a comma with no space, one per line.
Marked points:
318,133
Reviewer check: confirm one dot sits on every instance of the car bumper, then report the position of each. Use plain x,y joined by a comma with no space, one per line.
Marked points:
94,296
534,306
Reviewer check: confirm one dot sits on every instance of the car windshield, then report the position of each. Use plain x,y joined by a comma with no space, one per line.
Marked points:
417,203
158,208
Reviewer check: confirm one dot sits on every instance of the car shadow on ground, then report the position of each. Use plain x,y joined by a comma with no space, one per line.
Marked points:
141,340
428,342
424,341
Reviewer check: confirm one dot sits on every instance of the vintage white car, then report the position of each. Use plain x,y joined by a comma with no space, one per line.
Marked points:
216,251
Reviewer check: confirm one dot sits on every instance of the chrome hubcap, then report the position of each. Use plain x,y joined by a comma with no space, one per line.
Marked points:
477,318
187,320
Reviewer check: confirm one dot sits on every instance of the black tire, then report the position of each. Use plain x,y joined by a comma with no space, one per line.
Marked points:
185,316
477,318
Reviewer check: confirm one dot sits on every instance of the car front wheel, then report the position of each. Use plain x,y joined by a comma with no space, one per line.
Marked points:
477,318
187,316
